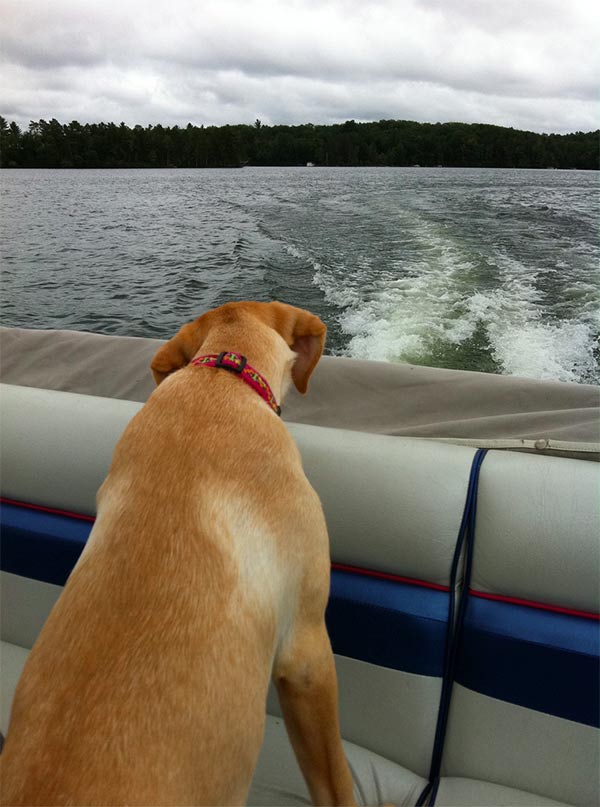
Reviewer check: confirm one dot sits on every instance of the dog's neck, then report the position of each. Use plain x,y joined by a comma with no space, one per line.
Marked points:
269,355
238,364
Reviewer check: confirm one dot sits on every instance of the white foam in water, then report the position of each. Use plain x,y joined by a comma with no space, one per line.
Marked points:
563,352
397,315
399,318
524,345
522,339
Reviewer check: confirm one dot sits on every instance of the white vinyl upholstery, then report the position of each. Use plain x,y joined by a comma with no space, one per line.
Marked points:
391,503
24,607
537,539
278,781
391,712
489,740
56,451
457,792
12,659
537,516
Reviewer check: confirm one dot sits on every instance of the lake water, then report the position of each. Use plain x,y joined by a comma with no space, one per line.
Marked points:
480,269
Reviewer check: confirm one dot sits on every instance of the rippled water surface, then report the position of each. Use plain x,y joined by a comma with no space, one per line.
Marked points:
494,270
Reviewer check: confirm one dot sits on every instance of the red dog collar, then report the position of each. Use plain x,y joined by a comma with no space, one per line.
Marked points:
238,364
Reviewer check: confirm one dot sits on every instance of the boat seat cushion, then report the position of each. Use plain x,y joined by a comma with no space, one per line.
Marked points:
278,781
12,660
458,792
524,710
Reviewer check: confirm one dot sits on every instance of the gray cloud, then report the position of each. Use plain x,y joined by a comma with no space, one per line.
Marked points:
527,64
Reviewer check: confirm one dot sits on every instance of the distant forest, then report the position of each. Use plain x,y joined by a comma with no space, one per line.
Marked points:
50,144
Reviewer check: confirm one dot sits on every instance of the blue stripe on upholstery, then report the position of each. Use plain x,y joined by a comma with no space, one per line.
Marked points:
538,659
396,625
43,546
392,624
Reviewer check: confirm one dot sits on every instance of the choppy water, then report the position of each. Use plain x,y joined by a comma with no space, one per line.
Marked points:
494,270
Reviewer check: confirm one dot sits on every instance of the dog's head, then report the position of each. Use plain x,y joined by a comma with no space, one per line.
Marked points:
302,331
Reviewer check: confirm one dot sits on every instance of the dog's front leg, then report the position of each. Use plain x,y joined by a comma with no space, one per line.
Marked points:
307,687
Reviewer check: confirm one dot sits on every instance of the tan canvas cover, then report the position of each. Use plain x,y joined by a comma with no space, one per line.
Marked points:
379,397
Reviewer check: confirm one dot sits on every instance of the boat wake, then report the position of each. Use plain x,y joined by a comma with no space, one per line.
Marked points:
450,306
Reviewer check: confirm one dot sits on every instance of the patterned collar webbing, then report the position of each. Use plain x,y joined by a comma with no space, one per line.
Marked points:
236,363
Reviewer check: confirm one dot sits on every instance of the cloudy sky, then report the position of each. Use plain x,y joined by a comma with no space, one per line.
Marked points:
531,64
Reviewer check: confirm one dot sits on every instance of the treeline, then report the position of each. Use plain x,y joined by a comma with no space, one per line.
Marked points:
50,144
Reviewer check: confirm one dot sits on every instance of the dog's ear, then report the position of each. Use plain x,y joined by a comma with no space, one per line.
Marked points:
305,334
179,350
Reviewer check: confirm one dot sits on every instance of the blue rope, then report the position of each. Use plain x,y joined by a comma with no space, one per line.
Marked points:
465,532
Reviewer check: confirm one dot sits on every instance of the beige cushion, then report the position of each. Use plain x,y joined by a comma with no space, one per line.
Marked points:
24,607
57,446
392,504
457,792
278,781
538,523
492,740
12,661
390,712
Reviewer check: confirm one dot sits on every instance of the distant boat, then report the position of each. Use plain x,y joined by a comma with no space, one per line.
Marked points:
310,165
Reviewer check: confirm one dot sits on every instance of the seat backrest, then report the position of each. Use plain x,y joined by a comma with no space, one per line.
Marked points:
525,710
